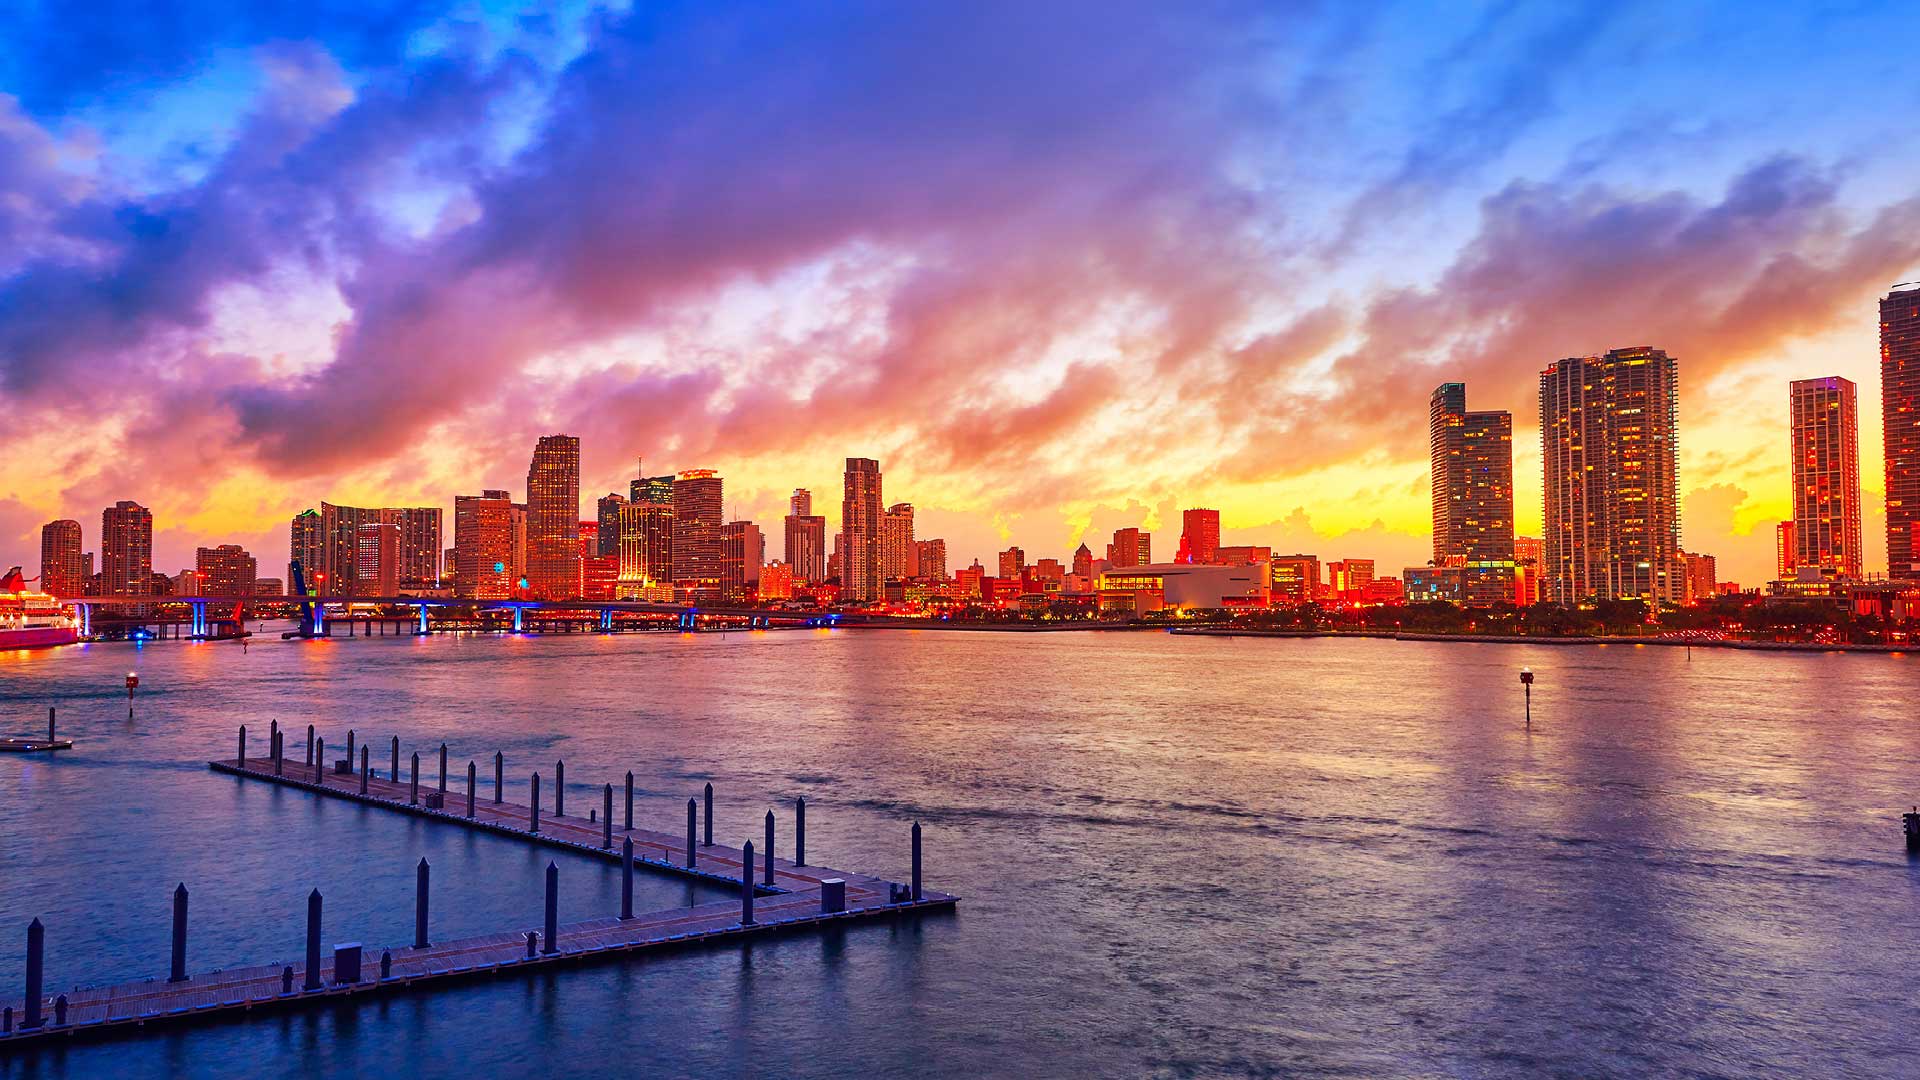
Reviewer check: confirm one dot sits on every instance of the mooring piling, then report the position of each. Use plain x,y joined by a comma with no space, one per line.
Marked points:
916,862
365,770
559,789
629,819
746,884
177,971
472,782
413,793
499,774
36,973
313,941
309,744
626,878
606,817
420,905
553,909
708,836
692,810
396,759
243,746
533,806
800,831
443,768
768,851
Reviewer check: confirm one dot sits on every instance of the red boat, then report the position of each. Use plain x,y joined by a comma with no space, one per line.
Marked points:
32,620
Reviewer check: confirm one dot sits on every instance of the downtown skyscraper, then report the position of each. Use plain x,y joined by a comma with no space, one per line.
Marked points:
1472,461
483,545
806,536
553,518
1900,413
862,570
1199,537
1609,446
699,500
1826,475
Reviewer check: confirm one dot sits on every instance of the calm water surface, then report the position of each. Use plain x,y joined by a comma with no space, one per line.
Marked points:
1179,857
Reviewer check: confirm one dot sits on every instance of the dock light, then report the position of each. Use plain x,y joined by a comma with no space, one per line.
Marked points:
1526,682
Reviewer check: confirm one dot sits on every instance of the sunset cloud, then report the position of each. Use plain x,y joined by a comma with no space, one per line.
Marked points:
1053,264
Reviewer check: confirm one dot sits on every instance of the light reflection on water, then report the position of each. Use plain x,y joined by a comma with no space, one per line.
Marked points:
1179,856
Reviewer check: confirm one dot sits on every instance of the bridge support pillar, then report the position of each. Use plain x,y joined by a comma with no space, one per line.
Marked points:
517,623
421,627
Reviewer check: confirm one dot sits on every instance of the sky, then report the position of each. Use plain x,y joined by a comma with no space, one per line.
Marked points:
1062,268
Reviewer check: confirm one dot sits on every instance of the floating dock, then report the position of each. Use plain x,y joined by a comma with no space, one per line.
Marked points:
776,895
28,744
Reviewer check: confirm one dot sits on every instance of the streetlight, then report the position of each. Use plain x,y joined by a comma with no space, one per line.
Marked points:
1526,683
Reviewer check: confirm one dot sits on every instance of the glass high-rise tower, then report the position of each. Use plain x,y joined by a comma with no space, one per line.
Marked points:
1609,446
1826,475
1900,411
553,518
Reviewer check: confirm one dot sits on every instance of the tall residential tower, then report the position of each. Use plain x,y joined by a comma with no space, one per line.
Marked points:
1609,443
1900,412
1826,475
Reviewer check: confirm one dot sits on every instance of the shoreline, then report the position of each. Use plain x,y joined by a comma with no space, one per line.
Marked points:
1523,639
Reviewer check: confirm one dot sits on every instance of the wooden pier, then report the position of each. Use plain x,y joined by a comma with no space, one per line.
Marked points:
776,895
28,744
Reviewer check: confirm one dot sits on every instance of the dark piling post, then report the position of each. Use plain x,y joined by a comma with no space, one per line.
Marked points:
553,910
746,884
533,936
396,759
559,789
693,810
769,849
286,979
178,971
606,817
242,759
499,775
916,861
36,973
313,941
533,805
365,768
443,768
708,837
279,753
629,819
626,878
273,733
50,723
349,745
472,782
413,790
309,744
420,905
800,832
319,756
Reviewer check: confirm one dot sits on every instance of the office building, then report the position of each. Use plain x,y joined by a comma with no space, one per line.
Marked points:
607,520
1609,443
806,537
553,518
1130,547
698,504
483,545
1296,579
646,551
861,573
743,551
1199,537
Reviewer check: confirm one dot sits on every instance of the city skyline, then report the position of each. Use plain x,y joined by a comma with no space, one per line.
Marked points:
1030,372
